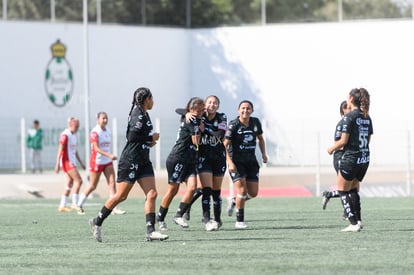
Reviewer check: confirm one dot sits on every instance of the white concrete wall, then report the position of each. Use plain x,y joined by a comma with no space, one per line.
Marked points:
295,74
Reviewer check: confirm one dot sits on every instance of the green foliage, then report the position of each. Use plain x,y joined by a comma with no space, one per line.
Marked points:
285,235
208,13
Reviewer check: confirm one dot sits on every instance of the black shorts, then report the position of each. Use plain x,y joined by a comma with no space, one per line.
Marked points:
337,159
214,165
179,171
351,170
130,172
247,170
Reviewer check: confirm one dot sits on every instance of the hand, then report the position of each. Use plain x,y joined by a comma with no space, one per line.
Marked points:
113,157
155,137
232,168
330,151
264,157
57,168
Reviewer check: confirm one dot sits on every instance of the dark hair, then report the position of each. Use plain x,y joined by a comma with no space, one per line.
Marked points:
342,107
36,121
139,97
101,113
218,100
246,101
361,99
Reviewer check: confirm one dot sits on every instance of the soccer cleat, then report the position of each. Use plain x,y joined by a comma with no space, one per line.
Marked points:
186,215
64,209
96,230
81,211
219,224
231,203
240,225
352,228
211,225
117,211
156,236
360,225
74,207
180,221
162,226
325,199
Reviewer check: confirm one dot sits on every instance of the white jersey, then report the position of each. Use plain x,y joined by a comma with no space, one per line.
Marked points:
103,138
69,142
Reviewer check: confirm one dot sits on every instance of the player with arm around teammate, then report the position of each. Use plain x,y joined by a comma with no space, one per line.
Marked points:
356,134
182,165
240,144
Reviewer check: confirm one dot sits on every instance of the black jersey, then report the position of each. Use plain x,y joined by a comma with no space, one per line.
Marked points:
211,144
243,138
139,137
338,130
359,130
184,150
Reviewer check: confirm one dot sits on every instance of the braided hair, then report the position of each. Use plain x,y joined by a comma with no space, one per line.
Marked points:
139,97
361,99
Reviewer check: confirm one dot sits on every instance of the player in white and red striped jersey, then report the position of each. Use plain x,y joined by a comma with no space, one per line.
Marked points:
100,161
67,158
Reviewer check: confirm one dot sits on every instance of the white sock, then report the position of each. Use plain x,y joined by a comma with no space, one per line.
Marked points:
63,201
82,199
75,198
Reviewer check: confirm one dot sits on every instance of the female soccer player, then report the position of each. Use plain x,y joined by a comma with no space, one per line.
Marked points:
356,135
327,195
135,166
100,161
242,134
181,164
67,156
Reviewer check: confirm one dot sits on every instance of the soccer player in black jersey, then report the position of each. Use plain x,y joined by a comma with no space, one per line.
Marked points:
182,164
356,135
135,166
240,145
327,195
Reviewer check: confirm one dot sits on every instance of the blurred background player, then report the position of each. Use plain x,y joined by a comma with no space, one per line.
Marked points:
67,157
100,161
34,143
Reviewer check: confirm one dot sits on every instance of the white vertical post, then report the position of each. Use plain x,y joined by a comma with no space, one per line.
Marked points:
318,164
340,10
115,136
98,12
408,179
4,9
52,11
23,144
157,148
263,12
86,80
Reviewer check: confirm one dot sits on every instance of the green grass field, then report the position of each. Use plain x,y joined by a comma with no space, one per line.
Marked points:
285,235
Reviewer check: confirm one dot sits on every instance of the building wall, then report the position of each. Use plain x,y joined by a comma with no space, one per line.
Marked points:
296,75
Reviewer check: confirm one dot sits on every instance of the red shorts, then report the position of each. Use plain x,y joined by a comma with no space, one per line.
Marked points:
98,168
67,166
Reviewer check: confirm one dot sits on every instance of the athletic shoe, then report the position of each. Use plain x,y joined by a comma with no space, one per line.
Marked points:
211,225
186,215
162,226
64,209
117,211
96,230
352,228
360,225
325,199
74,207
155,236
81,211
219,224
240,225
180,221
231,203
